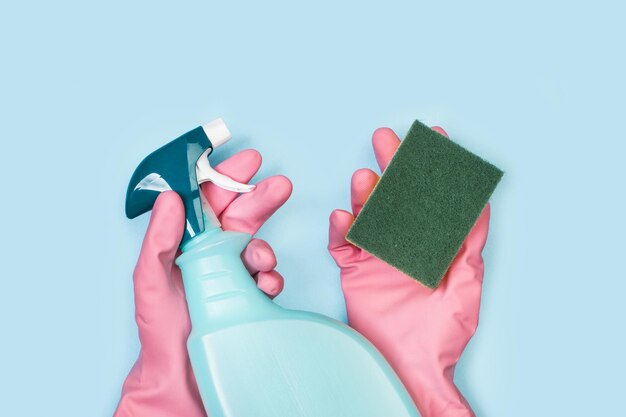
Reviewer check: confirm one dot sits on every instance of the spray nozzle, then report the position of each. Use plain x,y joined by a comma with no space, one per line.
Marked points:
218,134
181,166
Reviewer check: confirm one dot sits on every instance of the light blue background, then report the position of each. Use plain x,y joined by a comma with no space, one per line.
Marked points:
89,88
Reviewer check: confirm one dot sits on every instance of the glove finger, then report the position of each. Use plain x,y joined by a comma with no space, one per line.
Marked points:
241,167
363,182
156,259
340,222
248,212
340,249
270,282
440,130
385,143
258,256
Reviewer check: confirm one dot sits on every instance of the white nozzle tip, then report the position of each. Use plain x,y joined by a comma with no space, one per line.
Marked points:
217,132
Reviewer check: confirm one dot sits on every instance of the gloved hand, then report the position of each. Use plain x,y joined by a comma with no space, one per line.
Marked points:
161,383
422,332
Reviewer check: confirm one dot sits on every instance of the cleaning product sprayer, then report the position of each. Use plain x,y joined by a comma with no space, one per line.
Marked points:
251,357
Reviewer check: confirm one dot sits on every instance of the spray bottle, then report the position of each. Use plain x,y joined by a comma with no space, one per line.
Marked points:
251,357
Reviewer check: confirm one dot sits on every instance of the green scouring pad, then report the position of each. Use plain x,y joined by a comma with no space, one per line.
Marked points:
424,205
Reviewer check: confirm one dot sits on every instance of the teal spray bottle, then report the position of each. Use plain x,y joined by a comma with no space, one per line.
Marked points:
251,357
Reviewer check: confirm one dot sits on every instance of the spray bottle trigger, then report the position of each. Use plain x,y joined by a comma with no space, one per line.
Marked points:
205,173
218,134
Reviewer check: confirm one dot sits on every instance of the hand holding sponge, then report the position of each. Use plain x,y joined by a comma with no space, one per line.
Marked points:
421,331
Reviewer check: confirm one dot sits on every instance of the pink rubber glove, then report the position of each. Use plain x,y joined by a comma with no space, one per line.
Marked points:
422,332
161,383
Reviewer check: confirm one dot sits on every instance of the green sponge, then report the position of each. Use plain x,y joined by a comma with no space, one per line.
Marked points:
424,205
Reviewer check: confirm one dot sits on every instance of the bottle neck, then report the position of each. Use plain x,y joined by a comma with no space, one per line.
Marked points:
218,287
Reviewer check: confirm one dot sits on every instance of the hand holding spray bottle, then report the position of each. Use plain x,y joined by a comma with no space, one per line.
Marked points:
251,357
